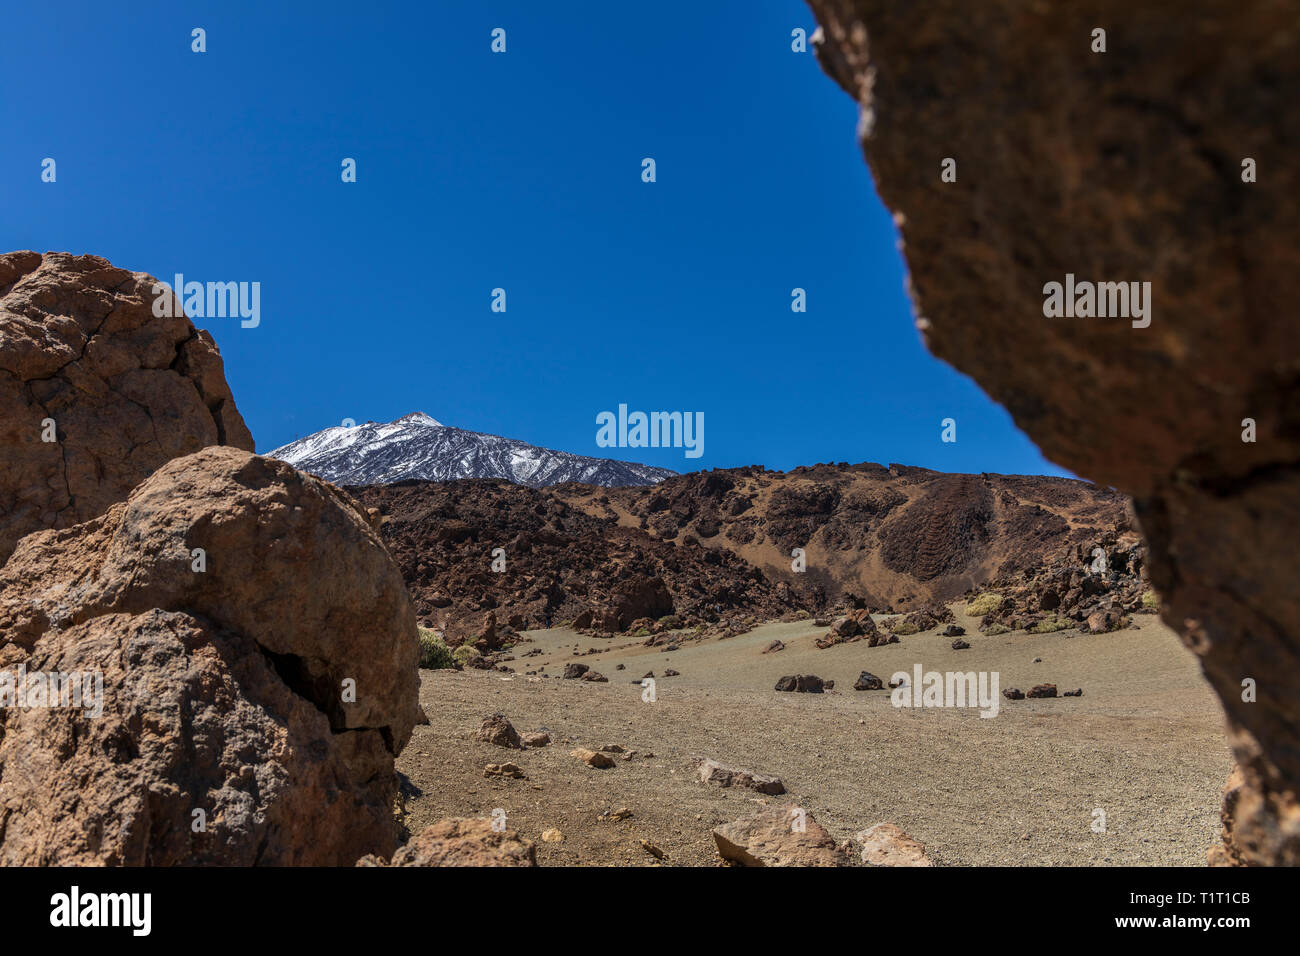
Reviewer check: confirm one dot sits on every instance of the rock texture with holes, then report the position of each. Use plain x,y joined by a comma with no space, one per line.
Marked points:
126,391
257,651
461,841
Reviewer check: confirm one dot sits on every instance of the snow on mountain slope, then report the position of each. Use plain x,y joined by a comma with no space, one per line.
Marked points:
418,446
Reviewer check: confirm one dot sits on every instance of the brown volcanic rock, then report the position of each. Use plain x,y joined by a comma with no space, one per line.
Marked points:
1225,853
887,845
460,841
710,771
561,562
1096,584
496,729
128,391
1076,162
890,536
637,597
801,684
224,690
598,557
779,837
1260,824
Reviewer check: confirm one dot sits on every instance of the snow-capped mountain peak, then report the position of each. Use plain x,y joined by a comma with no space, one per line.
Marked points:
418,418
418,446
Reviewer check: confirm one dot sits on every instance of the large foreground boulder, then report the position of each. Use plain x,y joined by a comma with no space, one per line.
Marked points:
256,650
1165,158
84,361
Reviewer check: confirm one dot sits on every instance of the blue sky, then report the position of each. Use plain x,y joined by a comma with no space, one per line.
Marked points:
478,171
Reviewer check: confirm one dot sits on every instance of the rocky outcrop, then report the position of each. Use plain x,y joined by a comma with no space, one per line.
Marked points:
631,599
1093,588
1123,166
120,391
891,536
460,841
560,564
257,652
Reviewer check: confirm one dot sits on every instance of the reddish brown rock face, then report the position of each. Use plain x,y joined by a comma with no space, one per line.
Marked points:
271,688
127,391
1122,166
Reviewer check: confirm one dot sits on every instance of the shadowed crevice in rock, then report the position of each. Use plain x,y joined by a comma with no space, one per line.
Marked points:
1123,166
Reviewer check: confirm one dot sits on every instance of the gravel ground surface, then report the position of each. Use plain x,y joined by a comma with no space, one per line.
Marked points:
1145,744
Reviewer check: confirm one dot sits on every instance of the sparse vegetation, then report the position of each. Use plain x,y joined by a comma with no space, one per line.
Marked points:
1151,599
995,629
903,628
984,604
465,653
434,653
1050,625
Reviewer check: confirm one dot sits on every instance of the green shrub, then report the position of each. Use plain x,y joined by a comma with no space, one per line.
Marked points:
671,621
1050,625
984,604
641,632
1150,599
464,653
903,628
995,629
434,653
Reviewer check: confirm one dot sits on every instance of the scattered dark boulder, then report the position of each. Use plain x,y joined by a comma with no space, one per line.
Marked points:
801,683
867,681
710,771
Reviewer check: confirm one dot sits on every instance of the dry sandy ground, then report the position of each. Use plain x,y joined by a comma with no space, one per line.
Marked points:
1145,744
